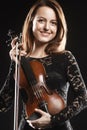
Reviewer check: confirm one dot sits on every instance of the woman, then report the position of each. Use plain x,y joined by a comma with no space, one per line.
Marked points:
44,38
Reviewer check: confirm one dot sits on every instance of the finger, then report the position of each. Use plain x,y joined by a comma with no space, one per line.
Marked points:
13,43
13,54
20,46
30,124
23,53
39,111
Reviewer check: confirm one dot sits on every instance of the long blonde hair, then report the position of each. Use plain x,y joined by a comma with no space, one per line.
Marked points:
59,42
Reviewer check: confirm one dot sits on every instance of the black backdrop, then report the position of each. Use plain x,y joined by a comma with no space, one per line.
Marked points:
12,15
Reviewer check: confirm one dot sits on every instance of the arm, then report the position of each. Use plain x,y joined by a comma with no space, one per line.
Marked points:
78,86
7,91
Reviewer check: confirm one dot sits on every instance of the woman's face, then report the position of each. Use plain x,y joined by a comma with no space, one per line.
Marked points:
44,24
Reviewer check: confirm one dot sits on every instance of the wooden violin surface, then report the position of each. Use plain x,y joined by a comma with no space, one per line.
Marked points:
37,93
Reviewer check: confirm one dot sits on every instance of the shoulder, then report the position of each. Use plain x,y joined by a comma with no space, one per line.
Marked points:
65,53
65,56
70,58
68,54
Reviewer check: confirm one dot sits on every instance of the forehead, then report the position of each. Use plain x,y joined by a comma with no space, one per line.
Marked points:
46,11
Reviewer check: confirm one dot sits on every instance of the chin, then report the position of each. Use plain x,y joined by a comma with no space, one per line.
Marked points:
44,40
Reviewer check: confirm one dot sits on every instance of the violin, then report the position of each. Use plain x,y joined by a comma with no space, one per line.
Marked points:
35,90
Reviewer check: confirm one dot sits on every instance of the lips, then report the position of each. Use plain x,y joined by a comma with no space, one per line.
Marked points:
45,33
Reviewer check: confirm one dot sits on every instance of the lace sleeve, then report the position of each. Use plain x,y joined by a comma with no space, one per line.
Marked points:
7,91
76,82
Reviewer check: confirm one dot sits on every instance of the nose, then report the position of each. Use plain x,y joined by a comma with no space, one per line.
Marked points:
46,26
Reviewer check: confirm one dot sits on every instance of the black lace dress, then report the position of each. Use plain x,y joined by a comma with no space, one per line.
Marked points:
63,74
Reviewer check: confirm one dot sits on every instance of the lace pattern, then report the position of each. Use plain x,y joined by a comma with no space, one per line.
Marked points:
74,78
79,88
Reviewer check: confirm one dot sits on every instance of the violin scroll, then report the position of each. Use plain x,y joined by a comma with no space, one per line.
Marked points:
11,34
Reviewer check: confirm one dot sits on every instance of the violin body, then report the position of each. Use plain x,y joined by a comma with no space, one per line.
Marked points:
37,92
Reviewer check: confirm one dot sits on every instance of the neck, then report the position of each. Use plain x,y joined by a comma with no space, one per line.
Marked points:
38,51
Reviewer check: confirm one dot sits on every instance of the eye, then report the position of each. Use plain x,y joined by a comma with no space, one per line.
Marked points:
41,20
54,23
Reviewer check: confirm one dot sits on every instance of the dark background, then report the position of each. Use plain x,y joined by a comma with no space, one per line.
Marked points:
12,16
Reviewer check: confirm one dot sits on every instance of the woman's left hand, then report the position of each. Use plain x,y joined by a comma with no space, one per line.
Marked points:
41,123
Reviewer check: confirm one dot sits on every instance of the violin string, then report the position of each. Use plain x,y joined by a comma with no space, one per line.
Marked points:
32,82
38,89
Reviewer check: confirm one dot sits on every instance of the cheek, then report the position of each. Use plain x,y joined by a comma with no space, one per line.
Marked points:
35,30
33,27
54,31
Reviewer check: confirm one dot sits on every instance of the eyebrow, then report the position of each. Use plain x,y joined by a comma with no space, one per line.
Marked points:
45,18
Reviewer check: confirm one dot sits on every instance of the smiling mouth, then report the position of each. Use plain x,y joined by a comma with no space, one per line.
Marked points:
45,33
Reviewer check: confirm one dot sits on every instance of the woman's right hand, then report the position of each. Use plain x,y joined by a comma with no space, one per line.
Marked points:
16,50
